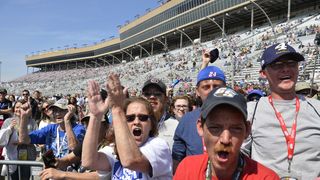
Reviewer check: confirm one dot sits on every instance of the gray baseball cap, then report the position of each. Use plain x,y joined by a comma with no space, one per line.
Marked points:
224,95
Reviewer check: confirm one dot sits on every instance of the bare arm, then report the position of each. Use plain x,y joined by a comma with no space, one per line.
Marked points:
71,137
205,59
67,160
52,173
6,111
24,119
91,158
128,150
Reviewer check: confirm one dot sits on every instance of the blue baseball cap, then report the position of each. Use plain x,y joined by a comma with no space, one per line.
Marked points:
211,72
255,92
278,52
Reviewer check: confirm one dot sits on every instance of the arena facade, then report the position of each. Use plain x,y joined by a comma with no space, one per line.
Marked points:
173,25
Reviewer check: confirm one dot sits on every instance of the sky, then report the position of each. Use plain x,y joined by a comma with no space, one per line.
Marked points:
28,26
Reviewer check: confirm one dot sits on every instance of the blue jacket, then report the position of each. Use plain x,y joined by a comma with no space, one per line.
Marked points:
186,138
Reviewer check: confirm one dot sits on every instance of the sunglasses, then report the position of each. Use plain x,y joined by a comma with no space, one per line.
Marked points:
280,65
155,94
141,117
25,94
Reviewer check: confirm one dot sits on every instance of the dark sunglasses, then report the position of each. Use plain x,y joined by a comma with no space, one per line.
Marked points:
155,94
280,65
141,117
25,94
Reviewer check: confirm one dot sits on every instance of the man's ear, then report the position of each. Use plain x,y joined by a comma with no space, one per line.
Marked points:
199,127
248,129
263,73
197,92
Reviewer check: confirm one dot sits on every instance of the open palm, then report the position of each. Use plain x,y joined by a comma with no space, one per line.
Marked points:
97,106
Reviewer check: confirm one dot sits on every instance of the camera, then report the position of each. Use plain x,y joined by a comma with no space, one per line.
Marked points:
49,159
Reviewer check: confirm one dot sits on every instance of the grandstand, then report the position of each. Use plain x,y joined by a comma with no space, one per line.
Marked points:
167,42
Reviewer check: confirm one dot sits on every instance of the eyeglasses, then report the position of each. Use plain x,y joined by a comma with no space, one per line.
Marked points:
25,94
155,94
281,64
181,106
141,117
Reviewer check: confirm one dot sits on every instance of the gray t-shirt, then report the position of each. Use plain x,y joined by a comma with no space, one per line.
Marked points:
268,145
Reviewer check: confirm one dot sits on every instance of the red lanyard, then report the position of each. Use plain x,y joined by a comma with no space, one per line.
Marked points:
290,138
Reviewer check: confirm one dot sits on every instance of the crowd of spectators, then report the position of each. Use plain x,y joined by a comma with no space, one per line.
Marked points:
176,116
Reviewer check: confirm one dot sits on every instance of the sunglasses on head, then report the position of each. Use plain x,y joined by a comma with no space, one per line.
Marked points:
155,94
141,117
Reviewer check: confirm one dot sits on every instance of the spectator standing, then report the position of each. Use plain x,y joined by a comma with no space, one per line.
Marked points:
154,90
180,106
285,126
140,154
186,138
223,127
5,110
5,106
9,140
61,137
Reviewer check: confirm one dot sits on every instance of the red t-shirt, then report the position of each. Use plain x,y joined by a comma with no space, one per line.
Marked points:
194,167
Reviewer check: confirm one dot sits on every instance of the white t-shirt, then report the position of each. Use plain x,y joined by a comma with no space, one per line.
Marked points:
156,150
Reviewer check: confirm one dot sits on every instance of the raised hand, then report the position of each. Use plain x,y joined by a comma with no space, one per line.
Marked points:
115,91
25,111
13,124
97,106
70,113
205,56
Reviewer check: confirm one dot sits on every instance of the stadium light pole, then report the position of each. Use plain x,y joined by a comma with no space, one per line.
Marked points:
114,57
127,54
225,36
164,44
265,14
143,49
182,32
192,42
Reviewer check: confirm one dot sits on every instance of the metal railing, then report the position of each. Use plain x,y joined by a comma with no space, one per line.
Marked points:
35,167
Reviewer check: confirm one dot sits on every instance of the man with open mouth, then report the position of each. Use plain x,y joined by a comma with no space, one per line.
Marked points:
285,126
223,126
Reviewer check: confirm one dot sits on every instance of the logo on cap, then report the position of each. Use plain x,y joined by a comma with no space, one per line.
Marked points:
154,80
225,92
212,74
282,47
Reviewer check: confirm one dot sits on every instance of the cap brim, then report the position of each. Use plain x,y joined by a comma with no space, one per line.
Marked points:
287,56
206,112
52,106
152,84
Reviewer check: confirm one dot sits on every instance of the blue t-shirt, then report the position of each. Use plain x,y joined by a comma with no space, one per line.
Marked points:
186,138
48,136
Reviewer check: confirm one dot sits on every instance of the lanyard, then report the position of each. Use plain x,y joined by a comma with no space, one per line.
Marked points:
236,175
59,146
162,119
290,138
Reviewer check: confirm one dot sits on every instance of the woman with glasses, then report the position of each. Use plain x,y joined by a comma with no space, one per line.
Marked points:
139,153
180,105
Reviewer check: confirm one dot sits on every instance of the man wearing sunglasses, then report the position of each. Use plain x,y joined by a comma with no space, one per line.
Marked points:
154,90
285,126
186,138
